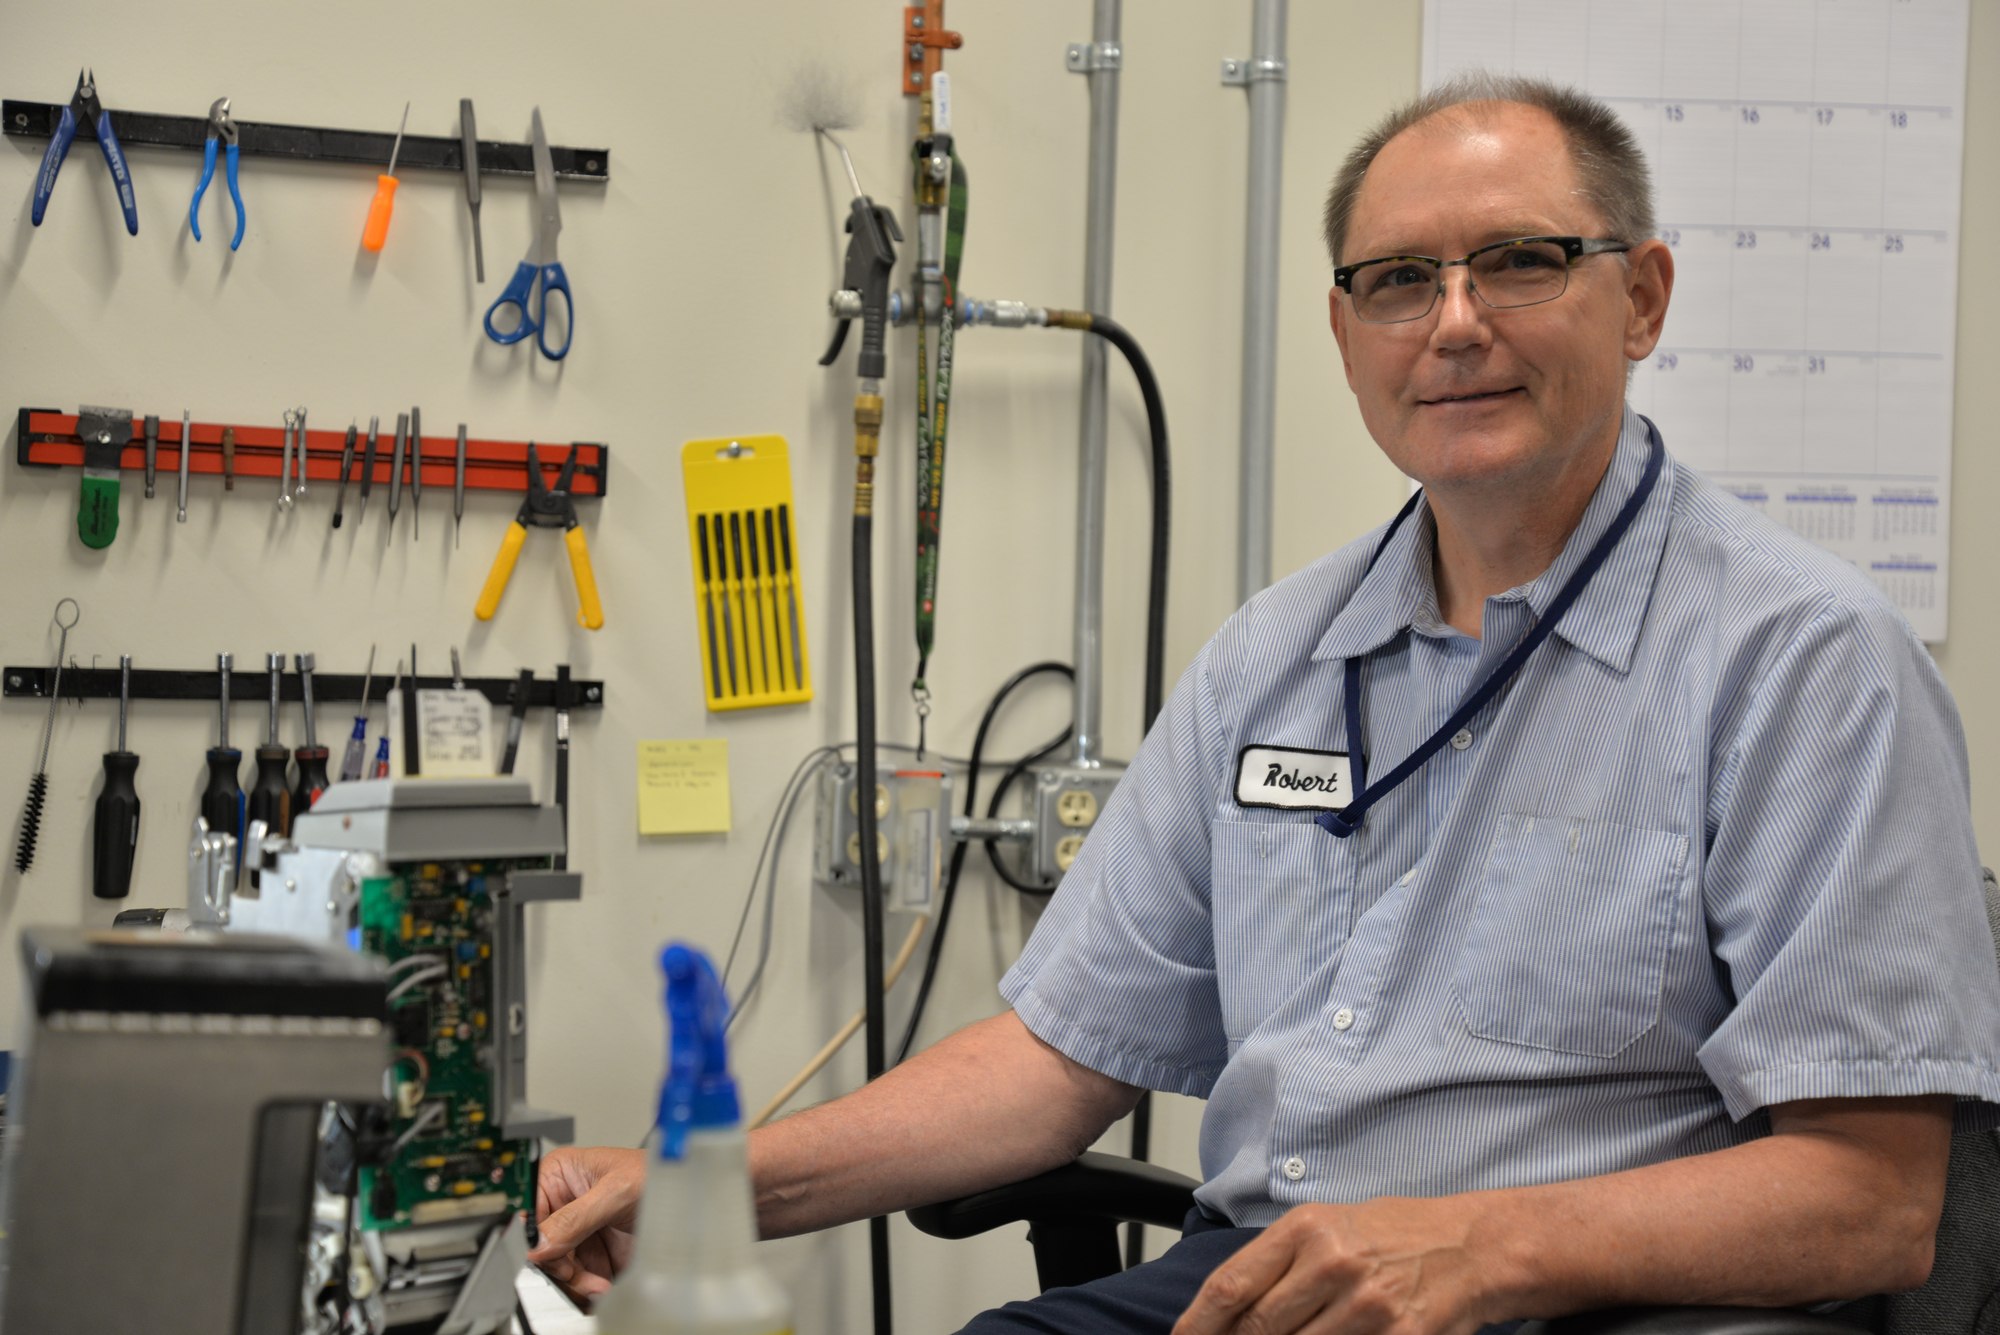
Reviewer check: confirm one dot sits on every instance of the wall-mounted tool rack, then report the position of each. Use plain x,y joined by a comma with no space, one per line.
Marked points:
48,439
307,143
251,686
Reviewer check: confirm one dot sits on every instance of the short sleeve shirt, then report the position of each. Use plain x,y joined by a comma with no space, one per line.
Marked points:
1708,851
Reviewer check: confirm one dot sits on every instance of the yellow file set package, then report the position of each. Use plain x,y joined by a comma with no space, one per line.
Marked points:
747,593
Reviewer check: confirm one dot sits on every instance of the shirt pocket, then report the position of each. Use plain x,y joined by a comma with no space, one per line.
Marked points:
1568,944
1282,897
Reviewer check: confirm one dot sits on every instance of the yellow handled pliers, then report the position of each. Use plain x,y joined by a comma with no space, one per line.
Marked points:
545,508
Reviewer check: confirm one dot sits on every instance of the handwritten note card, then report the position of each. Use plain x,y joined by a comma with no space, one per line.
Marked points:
684,787
455,730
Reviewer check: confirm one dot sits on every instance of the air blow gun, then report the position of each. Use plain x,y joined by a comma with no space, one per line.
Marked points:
871,256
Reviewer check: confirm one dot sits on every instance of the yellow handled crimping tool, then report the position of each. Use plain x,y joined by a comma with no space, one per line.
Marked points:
545,507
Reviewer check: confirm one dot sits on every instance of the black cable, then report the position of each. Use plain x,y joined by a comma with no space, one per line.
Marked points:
533,1227
1007,780
950,896
1156,634
871,870
344,1295
1120,338
521,1316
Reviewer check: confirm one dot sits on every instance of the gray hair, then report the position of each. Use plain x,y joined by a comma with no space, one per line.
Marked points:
1608,162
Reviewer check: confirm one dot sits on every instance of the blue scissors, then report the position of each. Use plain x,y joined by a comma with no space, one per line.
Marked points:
531,316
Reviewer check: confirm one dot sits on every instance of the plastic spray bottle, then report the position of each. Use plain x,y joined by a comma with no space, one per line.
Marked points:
693,1269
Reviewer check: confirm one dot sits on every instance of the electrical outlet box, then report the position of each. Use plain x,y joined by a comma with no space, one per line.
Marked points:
912,835
1067,802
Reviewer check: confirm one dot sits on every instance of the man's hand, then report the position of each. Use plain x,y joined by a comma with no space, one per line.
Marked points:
1385,1265
588,1203
1840,1201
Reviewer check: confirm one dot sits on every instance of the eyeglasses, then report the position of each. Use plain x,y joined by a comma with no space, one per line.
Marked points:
1523,272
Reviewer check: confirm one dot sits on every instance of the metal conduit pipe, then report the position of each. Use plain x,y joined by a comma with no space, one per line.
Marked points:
1264,78
1100,63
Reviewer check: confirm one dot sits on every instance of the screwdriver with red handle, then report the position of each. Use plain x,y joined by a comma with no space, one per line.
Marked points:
312,756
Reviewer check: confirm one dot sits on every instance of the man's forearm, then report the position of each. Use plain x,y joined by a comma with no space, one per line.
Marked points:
1822,1209
990,1104
1840,1201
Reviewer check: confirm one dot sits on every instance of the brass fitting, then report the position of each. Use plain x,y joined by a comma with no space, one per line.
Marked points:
867,424
867,444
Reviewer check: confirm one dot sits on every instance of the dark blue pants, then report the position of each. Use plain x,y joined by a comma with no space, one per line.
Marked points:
1145,1300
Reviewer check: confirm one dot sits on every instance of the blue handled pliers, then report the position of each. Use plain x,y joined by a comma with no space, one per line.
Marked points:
221,130
527,315
84,109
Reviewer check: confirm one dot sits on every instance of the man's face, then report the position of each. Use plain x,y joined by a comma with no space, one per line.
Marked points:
1468,396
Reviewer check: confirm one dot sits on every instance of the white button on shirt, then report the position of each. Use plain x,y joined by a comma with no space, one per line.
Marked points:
1343,1018
1461,739
1295,1168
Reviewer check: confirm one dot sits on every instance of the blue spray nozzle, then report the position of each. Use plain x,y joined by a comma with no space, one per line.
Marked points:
698,1091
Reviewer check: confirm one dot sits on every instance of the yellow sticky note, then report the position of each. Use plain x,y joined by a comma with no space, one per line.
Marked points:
684,787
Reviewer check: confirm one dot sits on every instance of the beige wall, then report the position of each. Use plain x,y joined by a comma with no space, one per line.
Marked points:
699,274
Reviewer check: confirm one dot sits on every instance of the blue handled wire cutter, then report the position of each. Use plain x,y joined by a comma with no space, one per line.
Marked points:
221,131
532,317
83,109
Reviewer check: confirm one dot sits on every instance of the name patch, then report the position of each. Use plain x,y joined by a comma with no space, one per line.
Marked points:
1291,779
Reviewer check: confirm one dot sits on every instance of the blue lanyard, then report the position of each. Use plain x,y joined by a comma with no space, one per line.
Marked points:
1349,818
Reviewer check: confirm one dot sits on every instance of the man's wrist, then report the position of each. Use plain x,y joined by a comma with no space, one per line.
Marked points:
1515,1274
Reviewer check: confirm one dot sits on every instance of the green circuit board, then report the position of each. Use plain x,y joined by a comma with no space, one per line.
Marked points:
432,925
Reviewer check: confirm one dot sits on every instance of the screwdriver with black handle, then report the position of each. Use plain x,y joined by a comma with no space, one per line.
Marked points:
312,756
222,800
271,797
115,838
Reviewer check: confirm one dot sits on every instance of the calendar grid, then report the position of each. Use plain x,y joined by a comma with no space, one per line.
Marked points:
1807,163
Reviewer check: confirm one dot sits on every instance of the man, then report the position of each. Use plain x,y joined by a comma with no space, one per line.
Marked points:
1653,977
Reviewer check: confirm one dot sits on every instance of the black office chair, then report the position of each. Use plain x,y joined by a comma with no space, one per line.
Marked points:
1073,1214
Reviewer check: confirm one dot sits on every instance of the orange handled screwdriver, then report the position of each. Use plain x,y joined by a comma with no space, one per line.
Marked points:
377,230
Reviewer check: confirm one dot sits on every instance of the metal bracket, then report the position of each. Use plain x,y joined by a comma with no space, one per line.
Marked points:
925,39
1091,57
1243,73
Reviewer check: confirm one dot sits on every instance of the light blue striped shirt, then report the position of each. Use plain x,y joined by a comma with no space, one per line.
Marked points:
1709,851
